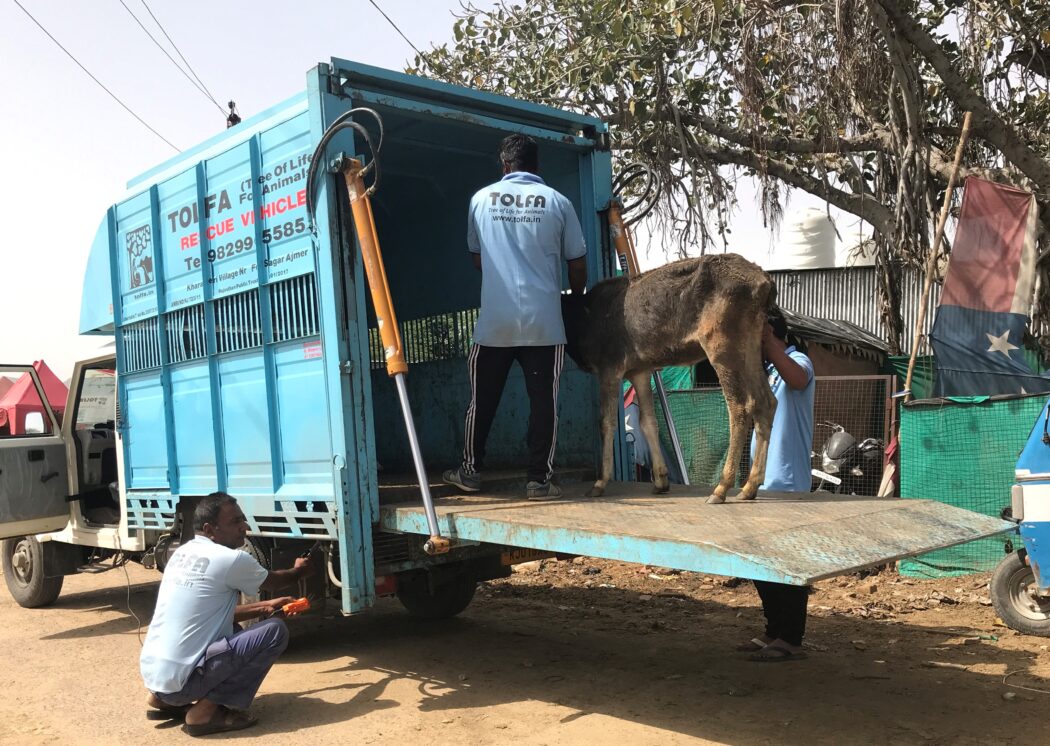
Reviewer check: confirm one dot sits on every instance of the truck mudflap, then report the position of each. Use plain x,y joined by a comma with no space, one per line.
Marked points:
780,537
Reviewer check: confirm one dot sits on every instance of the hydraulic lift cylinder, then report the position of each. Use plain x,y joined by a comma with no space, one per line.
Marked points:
396,367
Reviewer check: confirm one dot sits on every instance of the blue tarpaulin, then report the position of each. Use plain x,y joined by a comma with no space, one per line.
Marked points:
975,355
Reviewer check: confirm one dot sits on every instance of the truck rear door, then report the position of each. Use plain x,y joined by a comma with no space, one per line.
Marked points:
32,457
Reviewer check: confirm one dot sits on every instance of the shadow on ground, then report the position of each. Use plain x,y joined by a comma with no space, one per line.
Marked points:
668,664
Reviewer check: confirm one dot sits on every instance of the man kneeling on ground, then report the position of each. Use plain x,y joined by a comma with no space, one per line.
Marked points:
196,662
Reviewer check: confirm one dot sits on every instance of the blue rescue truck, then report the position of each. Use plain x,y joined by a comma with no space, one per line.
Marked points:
1020,586
248,359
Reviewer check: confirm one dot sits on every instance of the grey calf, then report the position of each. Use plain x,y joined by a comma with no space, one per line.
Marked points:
712,307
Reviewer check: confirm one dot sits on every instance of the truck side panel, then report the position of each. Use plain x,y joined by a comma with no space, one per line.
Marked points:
190,387
243,398
300,388
145,454
221,365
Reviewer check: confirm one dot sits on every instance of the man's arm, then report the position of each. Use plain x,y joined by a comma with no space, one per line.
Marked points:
578,275
281,578
773,350
473,241
573,247
258,609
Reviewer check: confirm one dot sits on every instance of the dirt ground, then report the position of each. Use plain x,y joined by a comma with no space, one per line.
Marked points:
575,651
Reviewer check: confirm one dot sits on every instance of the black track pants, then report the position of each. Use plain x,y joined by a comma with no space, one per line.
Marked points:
785,610
488,367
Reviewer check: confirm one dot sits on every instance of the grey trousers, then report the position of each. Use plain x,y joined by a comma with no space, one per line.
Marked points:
232,669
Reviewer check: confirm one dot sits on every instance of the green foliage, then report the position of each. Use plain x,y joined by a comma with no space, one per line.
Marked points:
835,97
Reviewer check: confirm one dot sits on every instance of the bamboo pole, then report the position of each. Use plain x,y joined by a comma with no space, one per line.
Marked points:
935,252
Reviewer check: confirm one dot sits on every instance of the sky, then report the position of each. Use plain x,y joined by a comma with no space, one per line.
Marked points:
69,149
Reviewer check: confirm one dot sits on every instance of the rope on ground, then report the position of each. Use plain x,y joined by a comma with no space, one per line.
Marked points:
1022,686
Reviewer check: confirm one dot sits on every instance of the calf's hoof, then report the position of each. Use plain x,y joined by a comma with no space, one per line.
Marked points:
597,490
716,499
661,486
747,493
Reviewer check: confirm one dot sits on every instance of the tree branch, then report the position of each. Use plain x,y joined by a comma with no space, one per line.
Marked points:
992,127
862,205
870,141
940,165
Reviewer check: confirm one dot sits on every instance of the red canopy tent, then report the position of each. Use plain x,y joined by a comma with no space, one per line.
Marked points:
22,399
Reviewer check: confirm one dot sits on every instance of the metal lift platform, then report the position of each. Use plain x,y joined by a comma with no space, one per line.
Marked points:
793,538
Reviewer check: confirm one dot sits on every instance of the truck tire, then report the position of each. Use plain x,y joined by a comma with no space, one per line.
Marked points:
23,561
1013,596
443,602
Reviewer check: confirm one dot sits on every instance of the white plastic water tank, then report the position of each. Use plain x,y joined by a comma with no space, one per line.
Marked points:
807,241
855,255
857,249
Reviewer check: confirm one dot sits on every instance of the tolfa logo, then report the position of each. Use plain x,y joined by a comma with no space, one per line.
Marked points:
518,200
139,245
191,563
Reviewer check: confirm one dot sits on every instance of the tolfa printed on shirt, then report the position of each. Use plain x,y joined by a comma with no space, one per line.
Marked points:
186,568
521,201
517,208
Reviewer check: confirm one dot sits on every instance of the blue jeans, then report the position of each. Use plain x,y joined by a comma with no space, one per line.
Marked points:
232,669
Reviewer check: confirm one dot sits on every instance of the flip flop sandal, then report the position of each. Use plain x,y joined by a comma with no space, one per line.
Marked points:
776,654
167,713
223,721
753,645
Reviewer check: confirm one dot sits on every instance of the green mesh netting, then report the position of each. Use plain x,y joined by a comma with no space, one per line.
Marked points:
922,377
702,424
963,454
676,377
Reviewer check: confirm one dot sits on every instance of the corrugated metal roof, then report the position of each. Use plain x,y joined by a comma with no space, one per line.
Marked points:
851,295
831,332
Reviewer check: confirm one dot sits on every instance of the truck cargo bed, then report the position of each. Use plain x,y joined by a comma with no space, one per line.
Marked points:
786,538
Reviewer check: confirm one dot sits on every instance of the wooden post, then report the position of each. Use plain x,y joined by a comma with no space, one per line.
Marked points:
935,252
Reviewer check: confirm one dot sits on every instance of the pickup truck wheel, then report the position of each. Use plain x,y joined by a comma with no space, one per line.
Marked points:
1013,590
23,560
446,600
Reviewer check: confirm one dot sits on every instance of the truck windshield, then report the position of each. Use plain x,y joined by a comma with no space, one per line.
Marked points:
98,396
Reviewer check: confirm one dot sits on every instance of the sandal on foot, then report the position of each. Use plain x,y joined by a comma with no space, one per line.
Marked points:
223,720
170,712
773,653
751,646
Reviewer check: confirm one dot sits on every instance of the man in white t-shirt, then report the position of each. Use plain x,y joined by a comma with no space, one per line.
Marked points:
519,233
195,662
